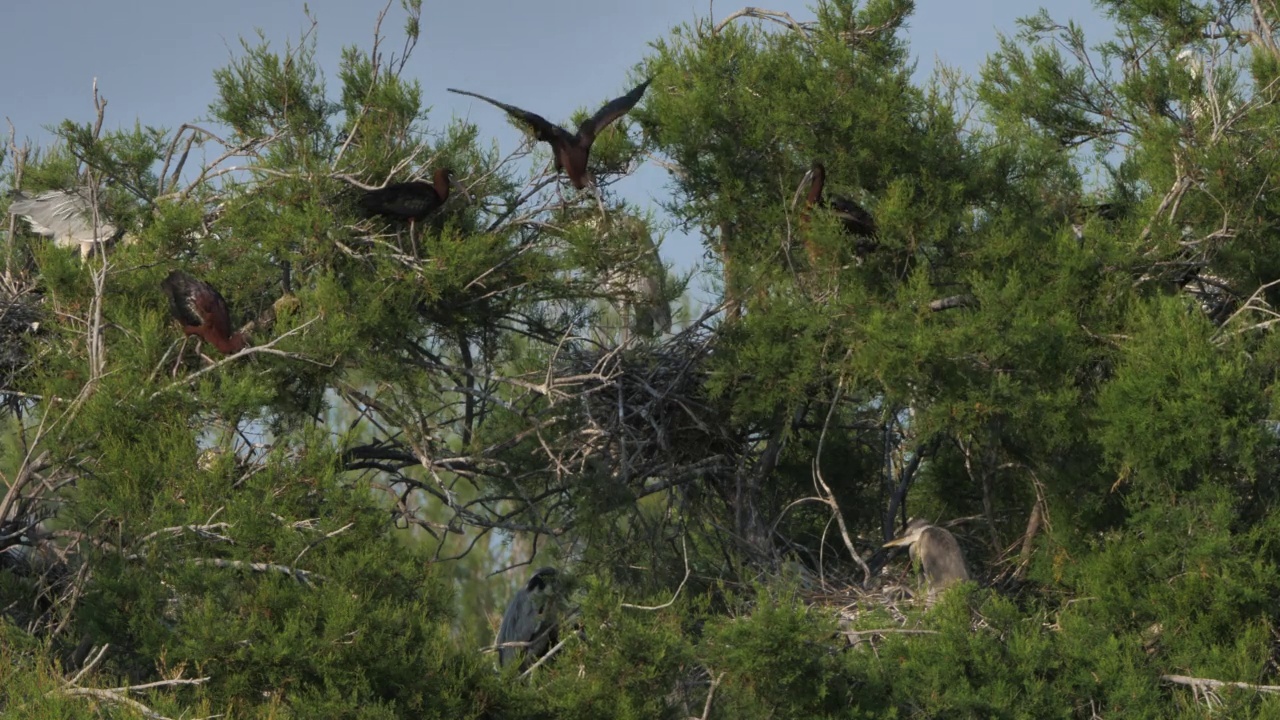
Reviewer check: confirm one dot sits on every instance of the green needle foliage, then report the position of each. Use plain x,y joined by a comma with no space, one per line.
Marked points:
1059,344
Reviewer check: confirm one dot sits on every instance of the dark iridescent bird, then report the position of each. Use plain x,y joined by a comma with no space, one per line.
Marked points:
857,221
571,150
202,311
412,201
530,624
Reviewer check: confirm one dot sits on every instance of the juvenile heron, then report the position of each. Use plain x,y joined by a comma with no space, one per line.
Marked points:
530,619
638,278
64,215
937,551
570,149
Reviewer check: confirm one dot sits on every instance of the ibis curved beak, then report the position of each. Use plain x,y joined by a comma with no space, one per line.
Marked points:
462,189
804,183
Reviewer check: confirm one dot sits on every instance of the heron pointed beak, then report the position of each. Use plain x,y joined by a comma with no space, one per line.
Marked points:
900,541
804,183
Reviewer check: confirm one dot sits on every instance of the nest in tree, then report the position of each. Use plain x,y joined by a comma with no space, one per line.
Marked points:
646,420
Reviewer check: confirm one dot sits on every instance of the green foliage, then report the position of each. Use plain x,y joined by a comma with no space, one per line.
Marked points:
1059,343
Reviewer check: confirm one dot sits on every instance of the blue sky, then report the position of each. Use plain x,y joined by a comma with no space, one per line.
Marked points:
154,60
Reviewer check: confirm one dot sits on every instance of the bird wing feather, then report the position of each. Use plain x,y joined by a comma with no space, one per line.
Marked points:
543,129
519,624
181,300
213,308
611,111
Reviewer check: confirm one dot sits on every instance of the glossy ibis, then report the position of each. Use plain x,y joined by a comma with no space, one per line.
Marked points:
937,551
856,220
64,215
571,149
410,201
529,625
202,311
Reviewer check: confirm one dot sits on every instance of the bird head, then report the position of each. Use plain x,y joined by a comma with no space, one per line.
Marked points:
911,534
541,580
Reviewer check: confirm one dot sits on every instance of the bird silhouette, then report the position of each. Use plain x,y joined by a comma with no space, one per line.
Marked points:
412,200
202,311
571,150
853,217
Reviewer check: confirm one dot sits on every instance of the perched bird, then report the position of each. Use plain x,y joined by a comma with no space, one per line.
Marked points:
857,221
410,201
636,277
571,149
530,620
936,550
202,311
64,215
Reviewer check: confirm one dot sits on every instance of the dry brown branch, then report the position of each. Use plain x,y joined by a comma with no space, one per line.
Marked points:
711,692
776,16
113,697
1208,683
544,658
955,301
303,576
829,497
269,348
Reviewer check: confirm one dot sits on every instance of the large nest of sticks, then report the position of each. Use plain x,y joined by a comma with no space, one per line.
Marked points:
646,419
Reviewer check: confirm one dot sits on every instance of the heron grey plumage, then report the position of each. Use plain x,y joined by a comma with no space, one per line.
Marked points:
936,550
530,619
64,215
639,277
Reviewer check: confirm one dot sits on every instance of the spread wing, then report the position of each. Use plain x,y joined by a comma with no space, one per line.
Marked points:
543,129
611,111
60,214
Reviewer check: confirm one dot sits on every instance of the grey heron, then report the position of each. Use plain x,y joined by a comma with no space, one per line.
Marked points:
530,624
638,277
64,215
937,551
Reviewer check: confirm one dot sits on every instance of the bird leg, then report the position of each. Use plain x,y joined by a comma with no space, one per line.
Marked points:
181,351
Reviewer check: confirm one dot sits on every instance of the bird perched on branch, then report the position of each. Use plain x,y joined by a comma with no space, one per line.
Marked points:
855,219
936,550
202,311
66,216
530,625
412,201
571,150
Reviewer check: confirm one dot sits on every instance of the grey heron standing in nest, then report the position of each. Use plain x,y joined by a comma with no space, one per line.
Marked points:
66,216
937,551
636,277
530,625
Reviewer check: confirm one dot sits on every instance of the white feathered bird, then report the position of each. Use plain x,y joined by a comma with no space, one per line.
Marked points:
64,215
